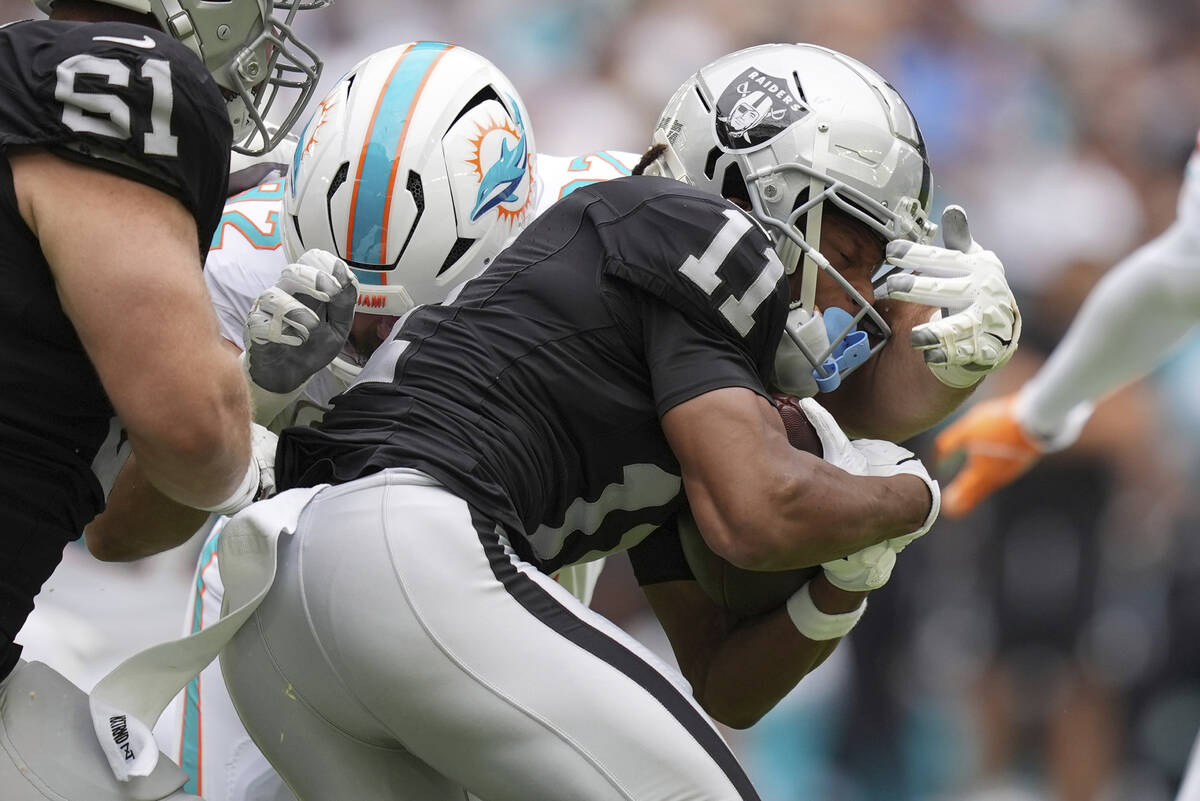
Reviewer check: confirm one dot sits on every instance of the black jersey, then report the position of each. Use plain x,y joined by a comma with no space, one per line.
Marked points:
536,393
129,100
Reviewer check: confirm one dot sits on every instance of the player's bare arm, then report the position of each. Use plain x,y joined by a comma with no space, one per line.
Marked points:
129,276
761,504
740,668
139,520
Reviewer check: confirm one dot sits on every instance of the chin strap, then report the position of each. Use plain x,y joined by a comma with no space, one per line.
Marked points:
806,337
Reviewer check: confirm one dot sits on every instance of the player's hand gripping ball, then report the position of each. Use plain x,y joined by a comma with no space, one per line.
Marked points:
748,593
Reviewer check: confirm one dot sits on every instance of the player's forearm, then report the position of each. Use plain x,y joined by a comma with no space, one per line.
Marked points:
1128,323
129,280
757,663
828,514
894,396
764,505
810,515
201,456
139,520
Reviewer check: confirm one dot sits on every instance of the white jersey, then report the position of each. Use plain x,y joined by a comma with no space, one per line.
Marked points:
559,176
201,730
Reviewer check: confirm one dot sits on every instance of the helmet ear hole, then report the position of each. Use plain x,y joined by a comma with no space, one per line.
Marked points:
299,235
338,179
483,95
733,186
461,246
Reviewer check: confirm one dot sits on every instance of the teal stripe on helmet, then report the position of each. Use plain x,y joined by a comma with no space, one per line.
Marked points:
298,154
371,192
369,277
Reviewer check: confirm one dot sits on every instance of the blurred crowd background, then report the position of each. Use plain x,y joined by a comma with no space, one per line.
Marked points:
1047,648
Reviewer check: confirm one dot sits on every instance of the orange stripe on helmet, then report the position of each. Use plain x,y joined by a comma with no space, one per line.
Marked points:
362,159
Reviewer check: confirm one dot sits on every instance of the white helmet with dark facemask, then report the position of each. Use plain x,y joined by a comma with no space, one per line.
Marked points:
252,54
415,169
791,128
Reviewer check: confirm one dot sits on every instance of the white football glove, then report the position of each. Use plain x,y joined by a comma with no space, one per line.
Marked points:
296,328
871,567
836,447
978,324
888,459
862,571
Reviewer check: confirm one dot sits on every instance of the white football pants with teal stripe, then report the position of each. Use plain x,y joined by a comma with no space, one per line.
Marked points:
405,652
201,730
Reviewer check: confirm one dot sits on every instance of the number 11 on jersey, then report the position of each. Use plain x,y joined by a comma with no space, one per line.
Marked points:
702,272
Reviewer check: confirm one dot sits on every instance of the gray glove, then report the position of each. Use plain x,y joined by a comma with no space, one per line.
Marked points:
299,325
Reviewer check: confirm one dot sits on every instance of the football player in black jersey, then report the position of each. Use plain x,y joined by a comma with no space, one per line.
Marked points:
555,410
116,123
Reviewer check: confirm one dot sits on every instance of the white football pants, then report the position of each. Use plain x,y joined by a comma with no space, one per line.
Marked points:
405,652
201,731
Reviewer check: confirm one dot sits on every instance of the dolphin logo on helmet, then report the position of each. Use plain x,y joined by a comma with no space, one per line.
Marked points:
500,182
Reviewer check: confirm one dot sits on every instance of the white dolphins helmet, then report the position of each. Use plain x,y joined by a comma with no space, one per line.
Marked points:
251,52
793,127
415,169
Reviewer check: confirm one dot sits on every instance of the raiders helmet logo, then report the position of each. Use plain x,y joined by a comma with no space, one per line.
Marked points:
755,108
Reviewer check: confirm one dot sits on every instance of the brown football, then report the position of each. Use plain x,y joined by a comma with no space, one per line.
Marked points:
747,593
800,432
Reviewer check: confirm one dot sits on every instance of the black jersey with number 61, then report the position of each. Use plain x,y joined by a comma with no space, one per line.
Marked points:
124,98
117,97
536,393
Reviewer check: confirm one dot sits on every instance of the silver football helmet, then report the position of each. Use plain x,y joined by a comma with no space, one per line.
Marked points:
251,52
793,127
